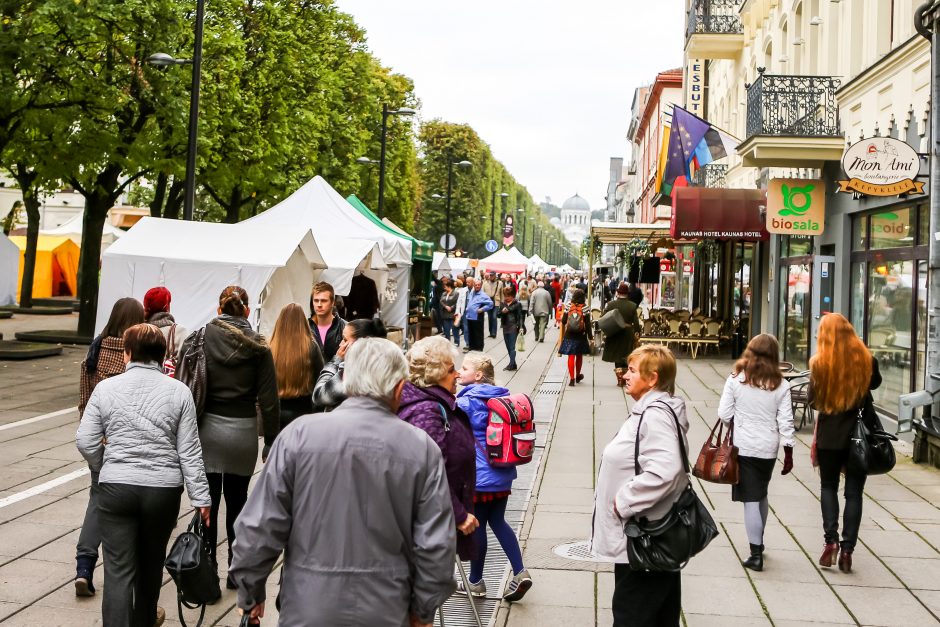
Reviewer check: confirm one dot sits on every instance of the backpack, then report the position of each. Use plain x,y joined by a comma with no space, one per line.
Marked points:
576,319
191,370
510,434
169,358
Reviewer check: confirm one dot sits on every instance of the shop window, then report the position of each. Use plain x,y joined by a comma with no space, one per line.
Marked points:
860,233
920,319
923,225
796,245
857,308
890,297
891,229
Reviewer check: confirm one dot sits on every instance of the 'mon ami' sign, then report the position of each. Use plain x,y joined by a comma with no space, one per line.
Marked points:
881,166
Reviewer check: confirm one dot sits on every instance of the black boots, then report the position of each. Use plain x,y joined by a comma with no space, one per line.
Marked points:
756,560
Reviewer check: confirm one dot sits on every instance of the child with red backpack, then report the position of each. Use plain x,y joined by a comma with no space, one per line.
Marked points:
576,336
493,482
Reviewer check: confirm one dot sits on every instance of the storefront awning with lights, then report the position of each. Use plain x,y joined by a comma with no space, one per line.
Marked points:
715,213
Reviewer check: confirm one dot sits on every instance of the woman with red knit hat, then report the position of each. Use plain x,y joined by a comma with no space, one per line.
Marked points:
157,313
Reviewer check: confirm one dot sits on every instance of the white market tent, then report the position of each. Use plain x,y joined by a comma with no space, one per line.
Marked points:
508,260
72,229
197,260
566,269
537,264
320,208
9,270
346,258
449,265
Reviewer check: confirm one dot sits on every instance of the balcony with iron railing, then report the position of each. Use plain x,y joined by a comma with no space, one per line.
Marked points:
792,121
711,175
714,30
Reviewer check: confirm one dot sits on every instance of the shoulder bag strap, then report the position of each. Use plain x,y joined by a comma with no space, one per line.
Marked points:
636,443
170,343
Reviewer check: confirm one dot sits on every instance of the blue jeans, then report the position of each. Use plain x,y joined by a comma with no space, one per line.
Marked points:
510,339
465,324
491,316
450,330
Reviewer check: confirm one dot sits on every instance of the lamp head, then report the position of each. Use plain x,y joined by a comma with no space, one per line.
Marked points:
402,111
162,59
365,160
463,164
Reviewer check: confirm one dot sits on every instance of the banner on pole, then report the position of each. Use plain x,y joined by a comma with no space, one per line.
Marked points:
509,231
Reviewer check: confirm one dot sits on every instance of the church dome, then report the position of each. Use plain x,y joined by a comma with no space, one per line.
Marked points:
576,203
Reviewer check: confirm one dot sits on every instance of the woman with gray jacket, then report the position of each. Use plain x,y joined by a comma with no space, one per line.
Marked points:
139,433
642,598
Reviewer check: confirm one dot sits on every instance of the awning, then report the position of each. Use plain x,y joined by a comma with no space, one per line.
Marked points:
624,232
717,213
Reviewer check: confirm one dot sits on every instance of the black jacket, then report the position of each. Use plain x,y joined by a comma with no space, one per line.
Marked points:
240,373
333,337
833,431
512,317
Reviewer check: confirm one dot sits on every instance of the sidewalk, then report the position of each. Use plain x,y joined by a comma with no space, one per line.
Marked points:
896,577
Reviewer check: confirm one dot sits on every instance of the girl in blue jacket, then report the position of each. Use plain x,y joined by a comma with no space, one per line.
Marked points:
493,484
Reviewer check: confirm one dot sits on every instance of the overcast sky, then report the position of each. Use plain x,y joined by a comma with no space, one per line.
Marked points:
547,84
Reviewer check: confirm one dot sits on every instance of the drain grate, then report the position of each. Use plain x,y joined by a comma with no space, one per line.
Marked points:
578,551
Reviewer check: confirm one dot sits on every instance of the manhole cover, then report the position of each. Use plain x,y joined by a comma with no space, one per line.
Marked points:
579,551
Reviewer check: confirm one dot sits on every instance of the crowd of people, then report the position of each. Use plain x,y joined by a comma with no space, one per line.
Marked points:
375,476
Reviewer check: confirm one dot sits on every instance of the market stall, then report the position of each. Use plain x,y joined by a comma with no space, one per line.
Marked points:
56,270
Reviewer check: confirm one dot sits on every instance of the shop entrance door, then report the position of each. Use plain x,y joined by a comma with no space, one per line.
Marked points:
823,287
795,307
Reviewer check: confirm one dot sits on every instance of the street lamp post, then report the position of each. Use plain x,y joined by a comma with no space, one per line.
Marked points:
450,185
504,196
161,59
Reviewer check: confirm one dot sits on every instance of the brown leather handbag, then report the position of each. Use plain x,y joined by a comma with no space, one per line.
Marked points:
718,460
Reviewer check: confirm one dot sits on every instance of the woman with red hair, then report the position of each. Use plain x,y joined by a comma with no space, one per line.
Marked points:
842,375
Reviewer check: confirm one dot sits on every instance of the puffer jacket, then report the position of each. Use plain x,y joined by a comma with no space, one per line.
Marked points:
662,475
762,418
427,409
240,373
472,399
149,423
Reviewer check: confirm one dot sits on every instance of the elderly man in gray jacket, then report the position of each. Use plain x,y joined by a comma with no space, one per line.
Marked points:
540,305
359,502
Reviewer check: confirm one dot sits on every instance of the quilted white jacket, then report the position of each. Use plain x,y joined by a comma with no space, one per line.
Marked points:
149,423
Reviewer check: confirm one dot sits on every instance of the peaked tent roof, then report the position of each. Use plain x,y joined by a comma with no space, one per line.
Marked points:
320,208
537,262
419,249
505,260
72,228
9,270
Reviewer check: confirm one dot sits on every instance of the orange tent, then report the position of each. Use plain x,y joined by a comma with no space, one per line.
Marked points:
56,271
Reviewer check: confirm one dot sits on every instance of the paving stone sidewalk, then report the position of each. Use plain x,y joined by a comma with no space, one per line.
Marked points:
896,577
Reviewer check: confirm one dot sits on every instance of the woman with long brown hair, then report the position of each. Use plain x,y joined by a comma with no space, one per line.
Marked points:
297,362
842,375
758,400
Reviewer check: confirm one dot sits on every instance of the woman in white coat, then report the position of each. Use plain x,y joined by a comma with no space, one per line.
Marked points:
758,399
642,598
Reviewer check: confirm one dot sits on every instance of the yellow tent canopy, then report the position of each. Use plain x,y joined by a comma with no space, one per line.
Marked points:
56,271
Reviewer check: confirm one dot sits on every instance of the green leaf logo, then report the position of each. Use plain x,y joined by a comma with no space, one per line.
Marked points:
797,200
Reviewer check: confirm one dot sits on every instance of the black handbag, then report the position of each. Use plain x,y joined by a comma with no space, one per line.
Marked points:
193,570
667,544
870,450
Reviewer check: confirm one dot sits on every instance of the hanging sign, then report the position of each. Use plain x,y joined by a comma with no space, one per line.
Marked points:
796,206
881,166
695,87
508,231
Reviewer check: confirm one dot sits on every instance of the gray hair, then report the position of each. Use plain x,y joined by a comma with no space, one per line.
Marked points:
374,367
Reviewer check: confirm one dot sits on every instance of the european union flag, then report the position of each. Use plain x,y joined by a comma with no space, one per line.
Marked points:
686,134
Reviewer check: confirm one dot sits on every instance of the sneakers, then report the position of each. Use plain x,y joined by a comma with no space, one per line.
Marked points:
84,584
477,589
518,586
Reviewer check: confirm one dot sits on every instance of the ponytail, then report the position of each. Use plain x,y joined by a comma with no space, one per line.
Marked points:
367,327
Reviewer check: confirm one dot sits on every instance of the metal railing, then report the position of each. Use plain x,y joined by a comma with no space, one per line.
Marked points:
711,175
714,17
802,106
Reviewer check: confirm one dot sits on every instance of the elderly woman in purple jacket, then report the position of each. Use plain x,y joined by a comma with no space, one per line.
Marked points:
428,403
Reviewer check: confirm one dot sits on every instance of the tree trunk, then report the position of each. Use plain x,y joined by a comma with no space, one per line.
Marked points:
174,200
26,179
98,200
159,196
233,210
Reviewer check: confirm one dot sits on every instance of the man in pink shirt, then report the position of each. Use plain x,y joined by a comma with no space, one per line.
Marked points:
327,327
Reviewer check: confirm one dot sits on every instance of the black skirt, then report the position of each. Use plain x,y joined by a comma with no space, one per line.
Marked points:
753,479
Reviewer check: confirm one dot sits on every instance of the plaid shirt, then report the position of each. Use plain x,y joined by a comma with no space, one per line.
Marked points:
110,363
329,390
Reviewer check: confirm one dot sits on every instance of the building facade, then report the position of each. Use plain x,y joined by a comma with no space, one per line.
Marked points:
799,82
575,220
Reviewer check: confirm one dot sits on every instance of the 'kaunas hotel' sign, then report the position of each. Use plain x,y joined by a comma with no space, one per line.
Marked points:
881,166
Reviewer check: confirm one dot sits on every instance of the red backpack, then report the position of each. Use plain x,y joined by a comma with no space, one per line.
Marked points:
510,434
